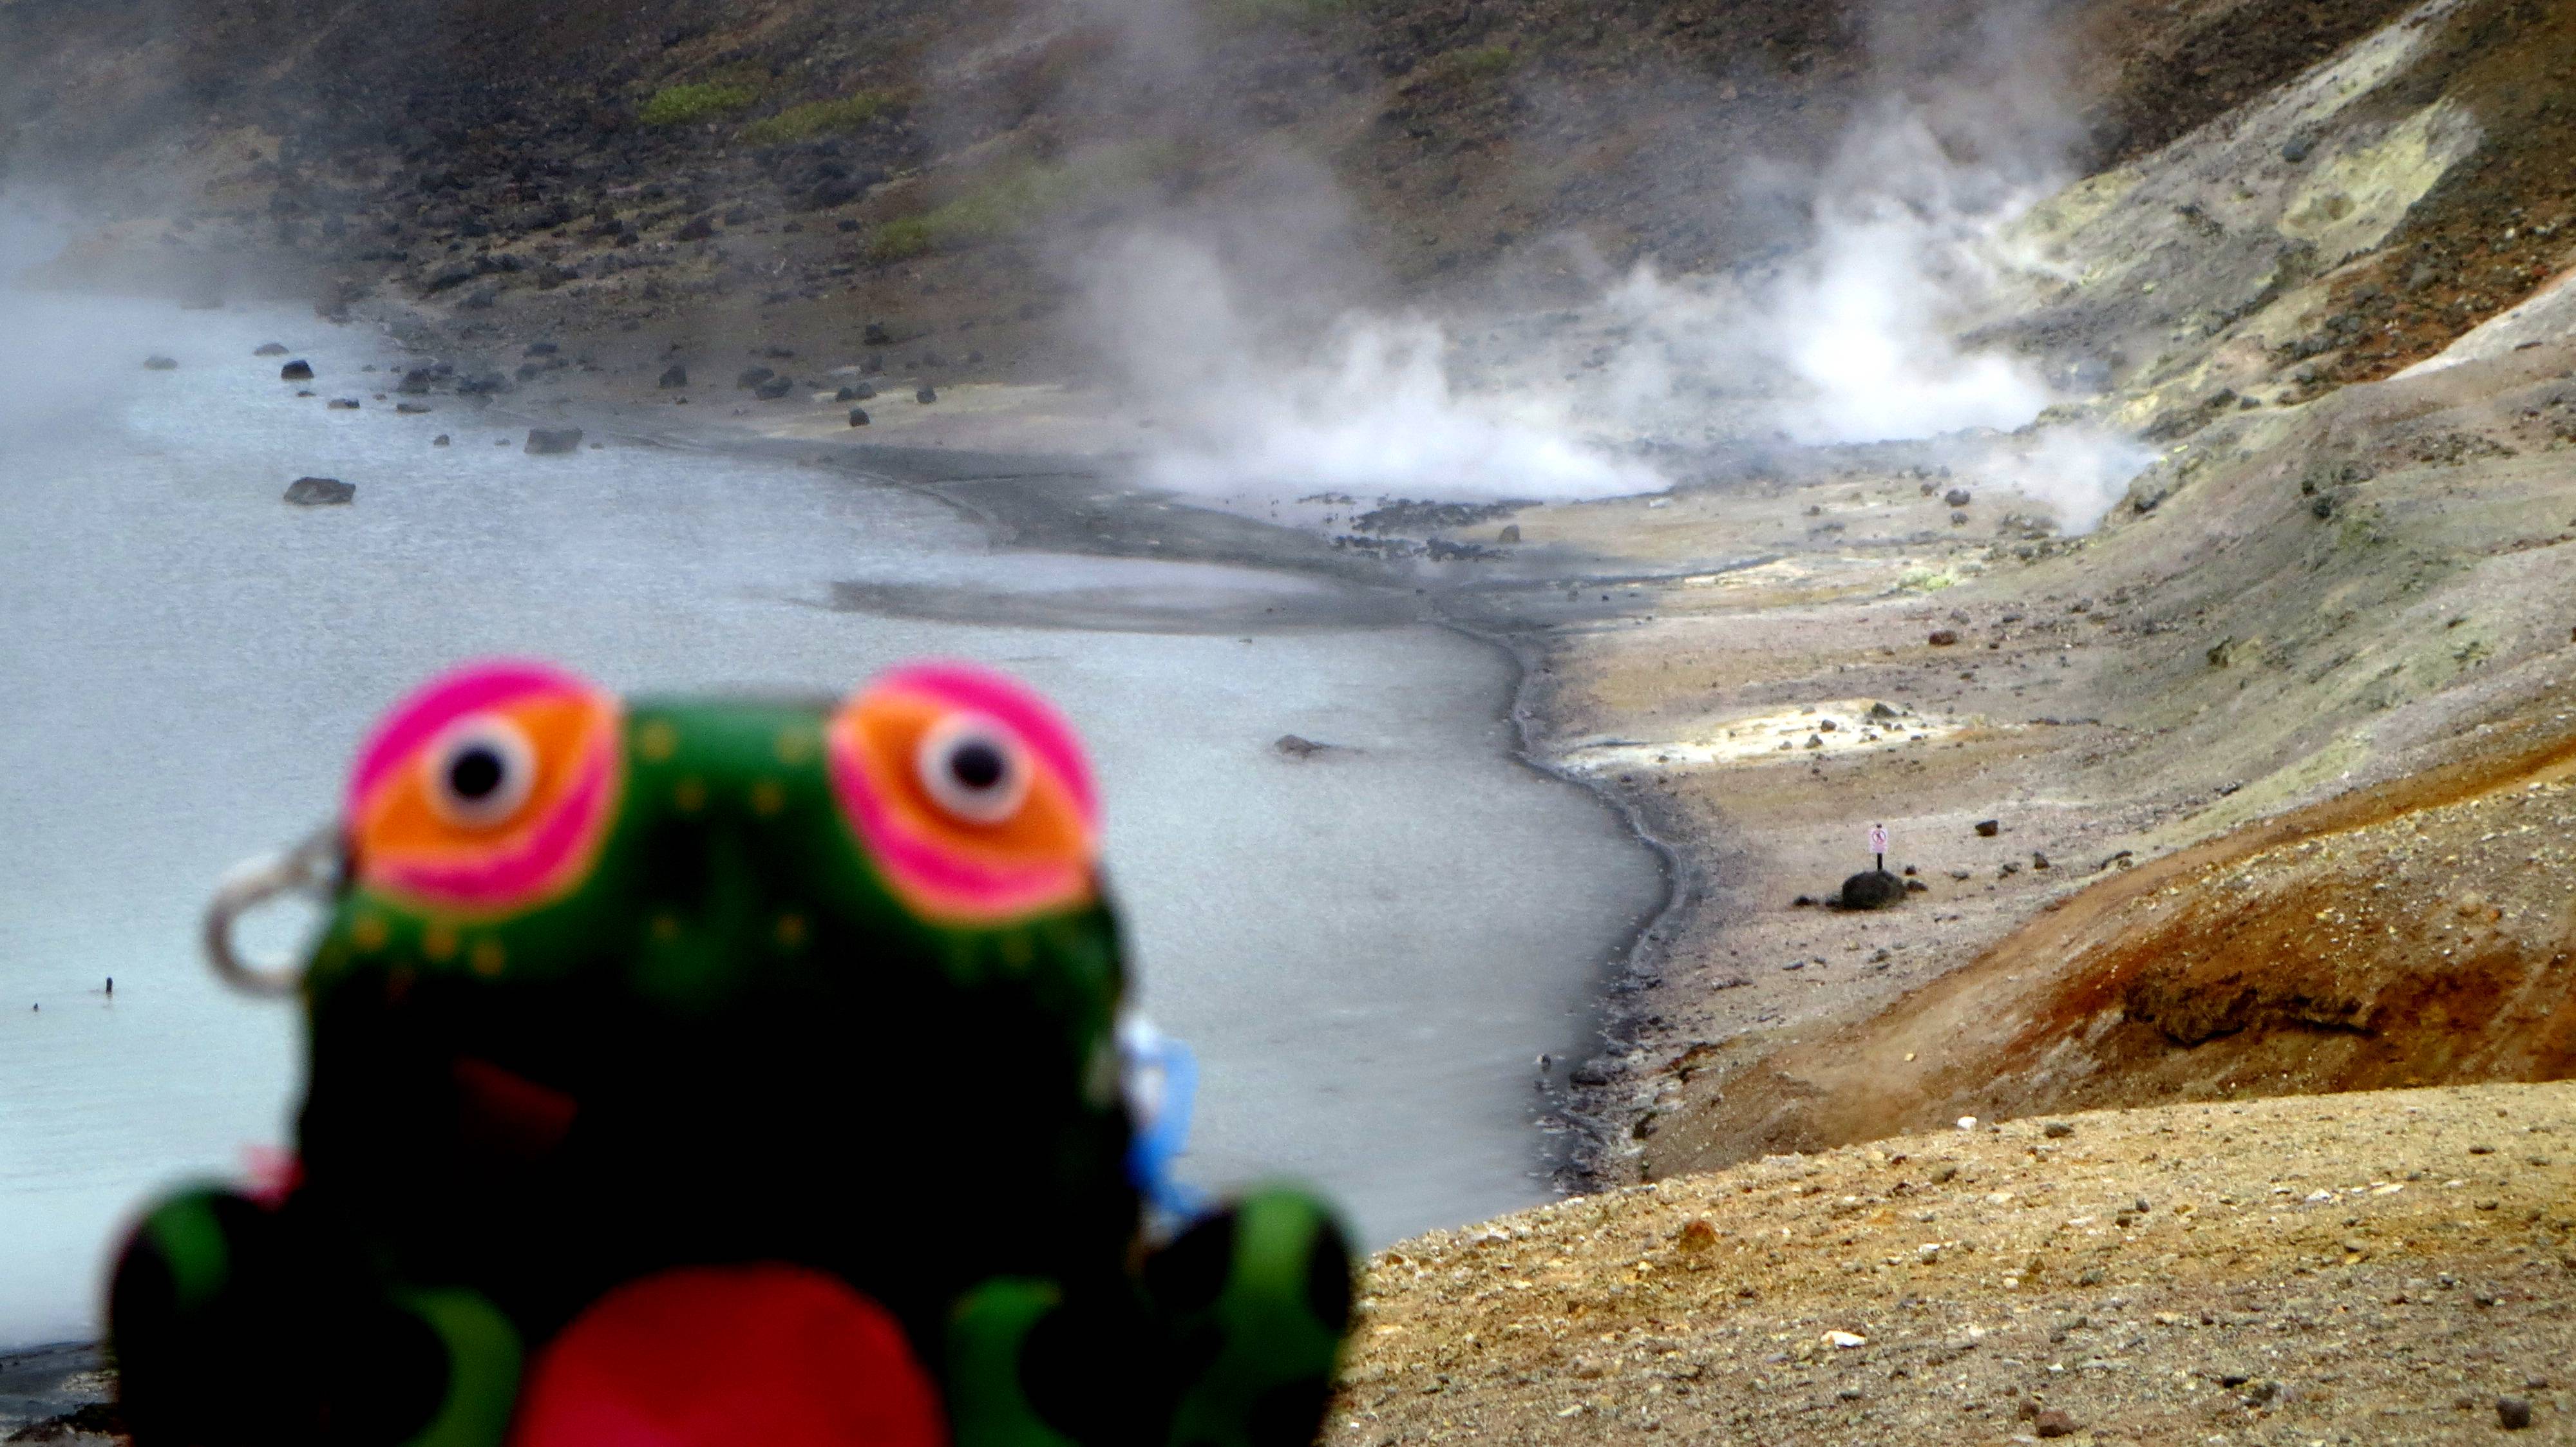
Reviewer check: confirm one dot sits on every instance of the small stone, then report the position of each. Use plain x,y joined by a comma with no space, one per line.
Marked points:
1698,1235
858,416
548,441
270,349
2053,1423
927,395
1943,637
160,364
674,375
1299,748
439,441
1967,1122
1989,828
2513,1413
753,376
413,409
343,404
2057,1130
319,491
298,371
1511,533
1872,889
1845,1340
773,389
1956,497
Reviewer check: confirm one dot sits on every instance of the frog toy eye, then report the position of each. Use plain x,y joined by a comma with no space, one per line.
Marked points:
487,790
969,793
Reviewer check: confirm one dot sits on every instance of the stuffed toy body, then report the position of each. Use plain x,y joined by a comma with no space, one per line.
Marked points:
698,1072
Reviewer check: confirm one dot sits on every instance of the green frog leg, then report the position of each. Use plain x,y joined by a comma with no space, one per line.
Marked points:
237,1324
1231,1342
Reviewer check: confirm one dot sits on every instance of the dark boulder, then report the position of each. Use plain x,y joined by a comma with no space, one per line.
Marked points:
296,371
675,375
699,228
1511,533
876,335
774,388
160,364
1956,497
1989,828
319,491
928,394
545,441
1872,889
439,441
858,416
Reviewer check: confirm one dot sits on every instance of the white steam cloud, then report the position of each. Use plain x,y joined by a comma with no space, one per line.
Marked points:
1366,406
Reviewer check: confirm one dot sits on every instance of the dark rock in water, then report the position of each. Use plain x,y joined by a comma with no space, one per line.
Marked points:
1511,533
1872,889
297,371
160,364
439,441
319,491
270,349
544,441
413,409
1989,828
773,389
675,375
753,376
344,404
926,395
1956,497
858,416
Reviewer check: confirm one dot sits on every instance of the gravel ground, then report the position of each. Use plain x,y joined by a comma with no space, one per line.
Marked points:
2388,1267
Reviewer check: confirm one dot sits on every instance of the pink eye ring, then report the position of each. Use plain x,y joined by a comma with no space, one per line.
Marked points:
973,768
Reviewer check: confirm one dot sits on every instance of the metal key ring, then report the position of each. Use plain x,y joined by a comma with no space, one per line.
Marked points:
312,867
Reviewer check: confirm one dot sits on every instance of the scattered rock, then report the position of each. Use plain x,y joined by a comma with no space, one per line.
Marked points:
858,416
674,375
2053,1423
753,376
2513,1413
1845,1340
439,441
343,404
928,394
2057,1130
270,349
1872,889
1957,497
1698,1235
413,409
774,388
1989,828
1880,710
1943,637
160,364
1301,748
320,491
544,441
296,371
1511,533
860,393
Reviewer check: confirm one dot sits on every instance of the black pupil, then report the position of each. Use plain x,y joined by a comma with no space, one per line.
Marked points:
976,764
474,773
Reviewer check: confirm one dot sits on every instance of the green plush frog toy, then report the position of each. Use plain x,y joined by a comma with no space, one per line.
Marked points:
686,1073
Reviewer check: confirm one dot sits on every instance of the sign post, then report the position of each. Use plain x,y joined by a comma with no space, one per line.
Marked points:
1878,845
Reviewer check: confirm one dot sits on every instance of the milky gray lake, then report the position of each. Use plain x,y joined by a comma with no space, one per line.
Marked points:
1367,948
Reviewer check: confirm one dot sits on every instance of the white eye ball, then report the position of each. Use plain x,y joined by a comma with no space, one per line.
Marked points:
972,767
481,772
